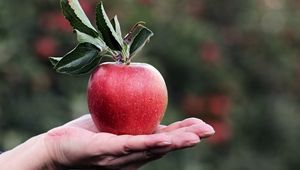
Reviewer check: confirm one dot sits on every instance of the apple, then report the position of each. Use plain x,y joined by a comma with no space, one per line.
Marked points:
219,105
45,46
127,99
210,52
123,97
193,105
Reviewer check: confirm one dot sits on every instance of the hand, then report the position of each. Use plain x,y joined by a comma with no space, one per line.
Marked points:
78,144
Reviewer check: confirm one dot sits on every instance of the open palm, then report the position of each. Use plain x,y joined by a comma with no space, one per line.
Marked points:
78,144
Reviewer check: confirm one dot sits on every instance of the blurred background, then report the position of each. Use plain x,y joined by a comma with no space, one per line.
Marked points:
232,63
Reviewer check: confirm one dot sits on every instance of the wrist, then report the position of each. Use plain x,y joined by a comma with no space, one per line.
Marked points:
32,155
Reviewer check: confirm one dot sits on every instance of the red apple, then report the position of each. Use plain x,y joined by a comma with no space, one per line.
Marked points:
210,52
219,105
127,99
45,47
193,105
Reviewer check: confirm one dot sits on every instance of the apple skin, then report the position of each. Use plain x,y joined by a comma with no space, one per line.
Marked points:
127,99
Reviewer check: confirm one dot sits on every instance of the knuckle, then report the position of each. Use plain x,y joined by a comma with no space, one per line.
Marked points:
105,161
127,148
193,120
58,132
52,143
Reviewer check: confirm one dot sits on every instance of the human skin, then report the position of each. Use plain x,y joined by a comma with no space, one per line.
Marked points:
78,144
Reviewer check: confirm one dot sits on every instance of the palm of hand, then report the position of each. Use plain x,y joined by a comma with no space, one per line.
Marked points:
78,144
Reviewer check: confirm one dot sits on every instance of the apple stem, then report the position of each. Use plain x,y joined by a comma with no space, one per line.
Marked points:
118,58
121,58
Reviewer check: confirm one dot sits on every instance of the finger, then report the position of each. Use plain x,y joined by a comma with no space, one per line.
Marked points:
202,130
133,160
180,124
179,141
159,127
84,122
124,144
184,140
186,137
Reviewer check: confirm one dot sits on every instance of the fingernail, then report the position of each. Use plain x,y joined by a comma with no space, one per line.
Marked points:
209,131
195,141
192,143
165,143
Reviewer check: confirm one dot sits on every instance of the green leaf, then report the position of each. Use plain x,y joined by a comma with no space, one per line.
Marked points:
54,60
98,42
116,25
82,59
109,34
133,32
77,18
139,40
88,68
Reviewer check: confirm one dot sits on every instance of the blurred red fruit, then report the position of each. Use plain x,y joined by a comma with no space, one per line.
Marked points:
219,105
87,7
210,52
54,21
46,21
193,105
62,23
223,132
195,8
45,47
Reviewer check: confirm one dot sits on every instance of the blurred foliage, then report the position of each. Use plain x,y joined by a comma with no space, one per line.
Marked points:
232,63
